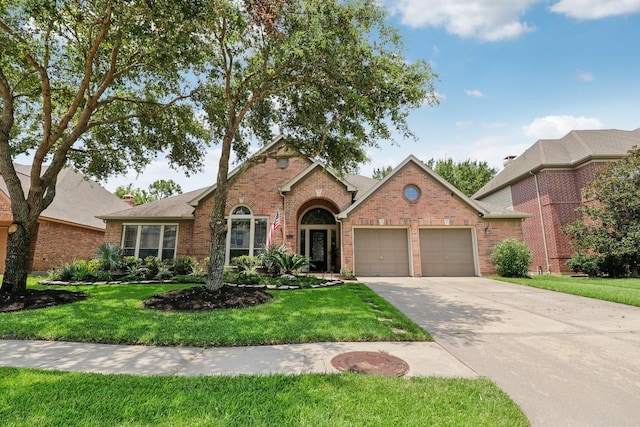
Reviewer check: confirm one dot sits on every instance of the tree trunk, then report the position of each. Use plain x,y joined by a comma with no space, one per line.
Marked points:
17,262
218,239
215,271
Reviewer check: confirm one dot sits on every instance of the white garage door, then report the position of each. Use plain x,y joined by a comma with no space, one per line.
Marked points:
447,252
381,252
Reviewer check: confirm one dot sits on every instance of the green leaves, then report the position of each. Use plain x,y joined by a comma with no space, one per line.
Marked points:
611,216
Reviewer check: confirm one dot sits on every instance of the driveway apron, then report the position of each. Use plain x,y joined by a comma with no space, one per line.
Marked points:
566,360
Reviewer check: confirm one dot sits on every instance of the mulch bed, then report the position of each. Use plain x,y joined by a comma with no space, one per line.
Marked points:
200,298
197,298
34,299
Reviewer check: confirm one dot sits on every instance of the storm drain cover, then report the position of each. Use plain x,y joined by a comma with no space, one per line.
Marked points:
370,362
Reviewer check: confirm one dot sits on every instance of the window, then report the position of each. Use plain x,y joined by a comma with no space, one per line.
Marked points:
247,234
411,193
143,240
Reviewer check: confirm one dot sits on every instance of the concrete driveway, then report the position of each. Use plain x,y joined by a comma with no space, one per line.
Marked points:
566,360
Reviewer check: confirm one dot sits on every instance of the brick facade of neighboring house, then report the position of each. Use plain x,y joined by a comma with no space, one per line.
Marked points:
68,229
366,226
547,181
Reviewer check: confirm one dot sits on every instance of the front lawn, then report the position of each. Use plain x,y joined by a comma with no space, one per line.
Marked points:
624,291
114,314
45,398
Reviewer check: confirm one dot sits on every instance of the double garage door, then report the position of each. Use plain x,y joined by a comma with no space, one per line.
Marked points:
385,252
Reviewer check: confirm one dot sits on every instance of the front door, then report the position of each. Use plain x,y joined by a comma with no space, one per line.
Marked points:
318,249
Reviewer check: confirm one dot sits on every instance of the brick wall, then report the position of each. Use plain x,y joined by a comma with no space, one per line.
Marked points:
436,207
560,195
58,243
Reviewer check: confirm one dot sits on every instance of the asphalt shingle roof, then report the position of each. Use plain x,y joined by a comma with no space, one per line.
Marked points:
78,199
575,148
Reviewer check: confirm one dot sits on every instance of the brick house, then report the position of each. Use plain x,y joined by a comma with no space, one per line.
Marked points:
68,229
546,181
411,223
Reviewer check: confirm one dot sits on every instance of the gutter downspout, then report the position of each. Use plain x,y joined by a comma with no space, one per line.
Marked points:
544,232
341,247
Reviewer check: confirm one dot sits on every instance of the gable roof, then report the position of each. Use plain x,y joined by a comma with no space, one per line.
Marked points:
570,151
172,208
207,191
78,199
483,209
313,166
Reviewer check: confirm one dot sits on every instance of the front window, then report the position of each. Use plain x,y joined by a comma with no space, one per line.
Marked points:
247,234
143,240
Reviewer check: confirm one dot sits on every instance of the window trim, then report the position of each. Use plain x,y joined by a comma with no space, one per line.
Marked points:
139,226
414,187
252,230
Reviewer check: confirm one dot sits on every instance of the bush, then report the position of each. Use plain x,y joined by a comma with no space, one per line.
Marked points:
183,265
152,265
247,264
590,264
511,258
269,257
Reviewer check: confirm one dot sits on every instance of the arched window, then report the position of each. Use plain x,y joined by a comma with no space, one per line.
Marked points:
246,235
318,216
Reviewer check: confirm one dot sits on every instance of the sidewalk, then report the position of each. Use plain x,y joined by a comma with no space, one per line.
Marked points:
423,358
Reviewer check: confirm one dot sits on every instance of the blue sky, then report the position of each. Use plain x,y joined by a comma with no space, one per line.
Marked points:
510,72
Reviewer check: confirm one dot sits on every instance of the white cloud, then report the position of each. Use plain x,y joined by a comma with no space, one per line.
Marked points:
474,93
585,76
558,126
486,20
463,124
595,9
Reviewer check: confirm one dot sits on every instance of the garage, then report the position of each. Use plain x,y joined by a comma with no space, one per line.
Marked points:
381,252
447,252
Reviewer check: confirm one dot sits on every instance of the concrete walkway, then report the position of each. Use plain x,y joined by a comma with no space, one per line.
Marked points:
423,358
566,360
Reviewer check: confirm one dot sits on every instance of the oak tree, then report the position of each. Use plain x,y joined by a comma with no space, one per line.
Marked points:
99,85
329,75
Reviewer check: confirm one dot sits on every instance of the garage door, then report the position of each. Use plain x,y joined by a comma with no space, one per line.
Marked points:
380,252
447,252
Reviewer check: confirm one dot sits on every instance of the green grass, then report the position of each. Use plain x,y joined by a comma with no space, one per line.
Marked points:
113,314
624,291
45,398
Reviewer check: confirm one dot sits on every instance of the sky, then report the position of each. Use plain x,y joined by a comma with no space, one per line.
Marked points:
510,72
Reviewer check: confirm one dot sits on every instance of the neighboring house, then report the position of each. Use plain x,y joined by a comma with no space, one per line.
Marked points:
68,229
411,223
546,181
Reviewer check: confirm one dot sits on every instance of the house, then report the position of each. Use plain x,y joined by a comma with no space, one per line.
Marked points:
68,229
411,223
546,181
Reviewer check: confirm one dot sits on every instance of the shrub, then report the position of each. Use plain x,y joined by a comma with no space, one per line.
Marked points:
512,258
183,265
152,264
590,264
109,256
247,264
290,263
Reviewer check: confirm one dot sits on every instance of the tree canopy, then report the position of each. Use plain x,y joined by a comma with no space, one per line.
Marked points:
610,227
160,189
468,176
380,173
329,75
99,85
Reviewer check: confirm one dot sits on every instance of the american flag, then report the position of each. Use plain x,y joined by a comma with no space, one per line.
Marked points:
274,226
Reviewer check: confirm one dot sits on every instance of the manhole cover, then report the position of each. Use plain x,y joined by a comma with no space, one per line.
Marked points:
369,362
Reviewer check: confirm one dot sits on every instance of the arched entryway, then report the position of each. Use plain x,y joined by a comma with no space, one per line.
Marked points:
318,239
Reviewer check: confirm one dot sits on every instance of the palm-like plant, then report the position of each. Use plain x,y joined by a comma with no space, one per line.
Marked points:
290,263
110,256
